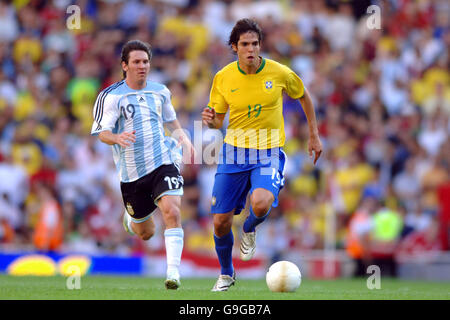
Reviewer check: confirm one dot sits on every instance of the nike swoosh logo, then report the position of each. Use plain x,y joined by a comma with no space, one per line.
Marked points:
233,90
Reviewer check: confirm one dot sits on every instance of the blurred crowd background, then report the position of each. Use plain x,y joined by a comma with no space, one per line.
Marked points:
382,99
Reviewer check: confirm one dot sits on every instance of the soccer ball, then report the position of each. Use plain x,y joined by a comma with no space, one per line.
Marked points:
283,276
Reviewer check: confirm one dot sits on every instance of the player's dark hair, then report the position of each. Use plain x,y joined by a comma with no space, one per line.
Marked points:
243,26
134,45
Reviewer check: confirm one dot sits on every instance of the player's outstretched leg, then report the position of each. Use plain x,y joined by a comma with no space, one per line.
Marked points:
260,205
174,246
173,237
223,240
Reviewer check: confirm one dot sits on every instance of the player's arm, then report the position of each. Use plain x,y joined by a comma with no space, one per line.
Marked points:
214,114
106,113
314,143
170,121
212,119
178,133
124,139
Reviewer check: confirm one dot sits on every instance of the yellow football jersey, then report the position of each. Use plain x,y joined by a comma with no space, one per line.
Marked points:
255,102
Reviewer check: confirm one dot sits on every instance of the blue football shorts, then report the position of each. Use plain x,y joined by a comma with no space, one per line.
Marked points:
231,189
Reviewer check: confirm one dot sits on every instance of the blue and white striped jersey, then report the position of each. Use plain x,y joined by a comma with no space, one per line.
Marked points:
119,108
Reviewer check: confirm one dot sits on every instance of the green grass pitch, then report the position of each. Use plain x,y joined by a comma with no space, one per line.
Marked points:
142,288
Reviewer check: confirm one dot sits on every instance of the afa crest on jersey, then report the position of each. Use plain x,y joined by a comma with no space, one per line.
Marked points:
130,209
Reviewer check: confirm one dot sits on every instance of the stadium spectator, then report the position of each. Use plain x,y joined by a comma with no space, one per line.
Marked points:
48,229
385,238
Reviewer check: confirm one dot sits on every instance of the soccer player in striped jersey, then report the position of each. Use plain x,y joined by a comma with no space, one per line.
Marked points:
130,116
252,160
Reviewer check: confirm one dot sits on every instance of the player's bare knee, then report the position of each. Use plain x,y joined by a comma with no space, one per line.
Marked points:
171,216
170,207
146,234
222,229
222,224
261,201
260,206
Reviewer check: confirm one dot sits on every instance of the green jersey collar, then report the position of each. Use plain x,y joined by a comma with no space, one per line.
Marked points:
263,63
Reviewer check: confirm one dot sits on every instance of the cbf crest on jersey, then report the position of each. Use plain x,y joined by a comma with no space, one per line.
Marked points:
268,85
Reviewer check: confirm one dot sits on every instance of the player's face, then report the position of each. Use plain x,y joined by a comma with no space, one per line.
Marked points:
247,49
138,66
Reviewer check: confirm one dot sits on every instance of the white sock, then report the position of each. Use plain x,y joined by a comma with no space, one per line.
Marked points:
174,247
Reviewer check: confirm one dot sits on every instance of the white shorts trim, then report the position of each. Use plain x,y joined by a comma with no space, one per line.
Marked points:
142,219
176,192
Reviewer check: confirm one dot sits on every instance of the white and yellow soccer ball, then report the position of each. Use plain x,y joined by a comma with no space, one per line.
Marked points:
283,276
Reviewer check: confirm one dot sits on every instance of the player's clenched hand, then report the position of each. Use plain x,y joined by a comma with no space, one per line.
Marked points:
314,145
208,116
125,139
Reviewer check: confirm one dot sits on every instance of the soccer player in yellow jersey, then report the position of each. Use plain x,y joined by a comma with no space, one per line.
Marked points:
252,159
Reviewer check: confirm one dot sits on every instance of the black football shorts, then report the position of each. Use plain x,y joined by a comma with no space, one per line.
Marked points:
141,196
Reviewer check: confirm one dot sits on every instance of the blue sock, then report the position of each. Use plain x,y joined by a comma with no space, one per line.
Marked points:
224,247
252,221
